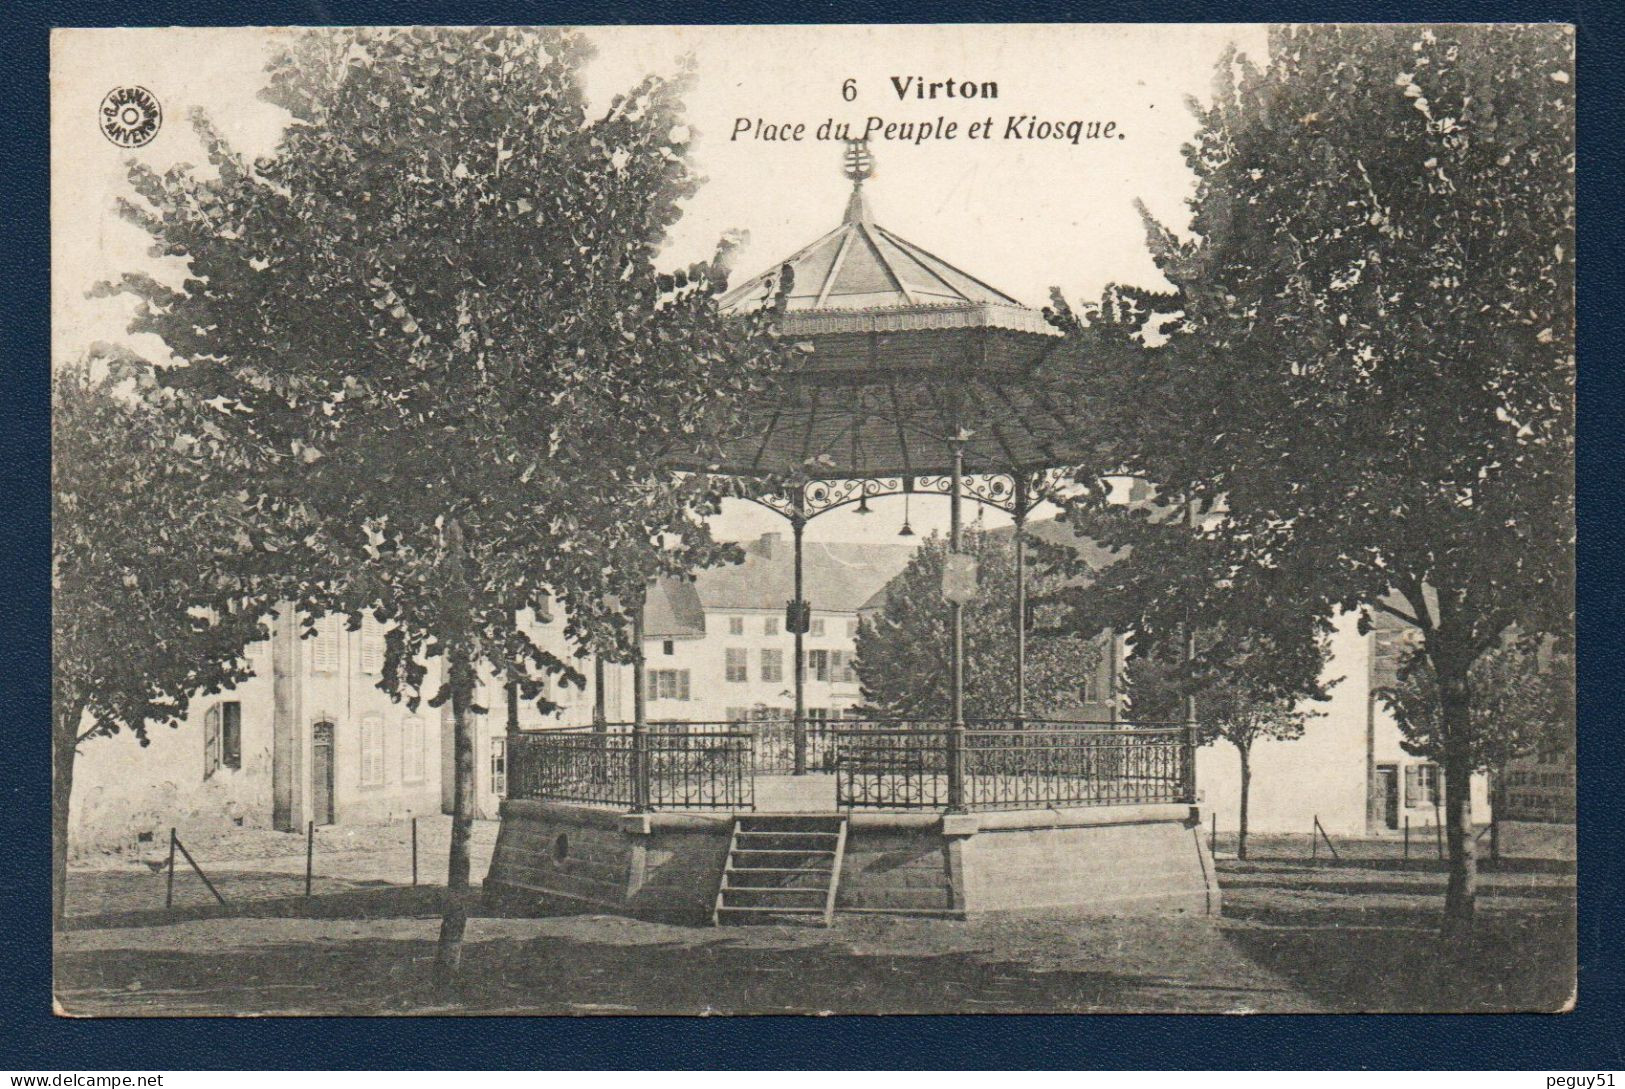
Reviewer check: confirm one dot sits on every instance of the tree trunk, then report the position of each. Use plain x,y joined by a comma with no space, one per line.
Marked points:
64,745
1455,712
1246,788
454,917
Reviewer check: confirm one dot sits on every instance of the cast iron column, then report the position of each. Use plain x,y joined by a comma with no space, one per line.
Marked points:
798,523
1020,512
956,611
598,694
640,719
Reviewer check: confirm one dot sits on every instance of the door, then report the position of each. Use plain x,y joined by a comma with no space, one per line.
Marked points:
321,774
1388,783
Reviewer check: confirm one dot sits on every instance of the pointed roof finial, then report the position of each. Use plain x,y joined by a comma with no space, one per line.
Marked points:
859,164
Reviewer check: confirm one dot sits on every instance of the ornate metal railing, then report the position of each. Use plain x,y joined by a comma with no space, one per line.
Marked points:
890,764
1006,765
684,766
572,765
776,744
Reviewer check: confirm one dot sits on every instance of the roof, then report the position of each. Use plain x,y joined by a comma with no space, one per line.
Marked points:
672,611
861,277
836,577
1048,530
905,356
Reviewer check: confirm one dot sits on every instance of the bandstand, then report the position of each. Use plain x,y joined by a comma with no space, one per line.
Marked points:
920,380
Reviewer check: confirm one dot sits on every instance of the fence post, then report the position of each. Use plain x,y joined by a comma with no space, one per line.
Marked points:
1314,840
310,851
415,844
169,892
1213,837
1438,832
1407,837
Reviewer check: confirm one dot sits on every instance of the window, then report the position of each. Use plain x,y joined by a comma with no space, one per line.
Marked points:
817,628
734,664
818,664
372,646
324,648
372,749
736,625
1089,690
851,629
668,684
819,714
499,766
668,647
770,625
1422,785
739,714
772,664
412,749
231,734
841,666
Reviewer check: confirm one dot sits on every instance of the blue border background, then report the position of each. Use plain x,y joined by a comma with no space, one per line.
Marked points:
32,1039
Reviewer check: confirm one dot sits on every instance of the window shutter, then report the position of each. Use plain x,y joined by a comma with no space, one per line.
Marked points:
372,646
682,684
324,654
1438,784
211,741
372,744
1411,786
412,749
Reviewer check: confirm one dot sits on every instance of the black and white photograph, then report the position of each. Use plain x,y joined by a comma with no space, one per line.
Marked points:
791,519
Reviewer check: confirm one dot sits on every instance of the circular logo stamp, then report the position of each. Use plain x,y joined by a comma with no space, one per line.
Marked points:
130,116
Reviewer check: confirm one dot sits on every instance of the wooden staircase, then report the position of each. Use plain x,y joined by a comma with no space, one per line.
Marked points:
781,868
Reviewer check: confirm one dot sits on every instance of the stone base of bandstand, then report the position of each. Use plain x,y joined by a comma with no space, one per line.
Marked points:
1109,860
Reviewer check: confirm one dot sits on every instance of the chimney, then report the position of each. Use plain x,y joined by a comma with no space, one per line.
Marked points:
768,544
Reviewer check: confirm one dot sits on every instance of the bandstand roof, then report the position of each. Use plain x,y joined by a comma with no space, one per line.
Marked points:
906,350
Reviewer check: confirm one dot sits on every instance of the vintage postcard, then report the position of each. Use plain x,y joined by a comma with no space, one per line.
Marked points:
813,519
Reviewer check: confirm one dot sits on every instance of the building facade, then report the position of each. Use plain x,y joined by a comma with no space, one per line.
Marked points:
1349,770
717,650
308,738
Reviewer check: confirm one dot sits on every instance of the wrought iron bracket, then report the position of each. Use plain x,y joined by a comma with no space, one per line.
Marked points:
809,497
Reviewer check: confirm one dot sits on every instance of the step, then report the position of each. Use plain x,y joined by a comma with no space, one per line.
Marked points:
789,835
782,851
774,888
773,910
731,868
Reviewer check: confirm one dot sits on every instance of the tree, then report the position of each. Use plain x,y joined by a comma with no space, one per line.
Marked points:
903,652
1368,376
153,588
1226,709
1523,701
432,325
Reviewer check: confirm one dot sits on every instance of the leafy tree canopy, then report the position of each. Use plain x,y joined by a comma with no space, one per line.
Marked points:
1367,380
436,306
152,572
903,652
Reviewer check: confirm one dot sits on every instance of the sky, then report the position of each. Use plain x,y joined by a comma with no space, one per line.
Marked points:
1021,214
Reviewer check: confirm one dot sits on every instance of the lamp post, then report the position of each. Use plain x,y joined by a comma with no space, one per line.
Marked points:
803,617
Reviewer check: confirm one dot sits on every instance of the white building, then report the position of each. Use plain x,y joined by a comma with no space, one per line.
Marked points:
1348,769
716,649
308,738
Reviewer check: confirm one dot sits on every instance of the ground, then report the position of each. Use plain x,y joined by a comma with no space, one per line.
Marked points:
1298,934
